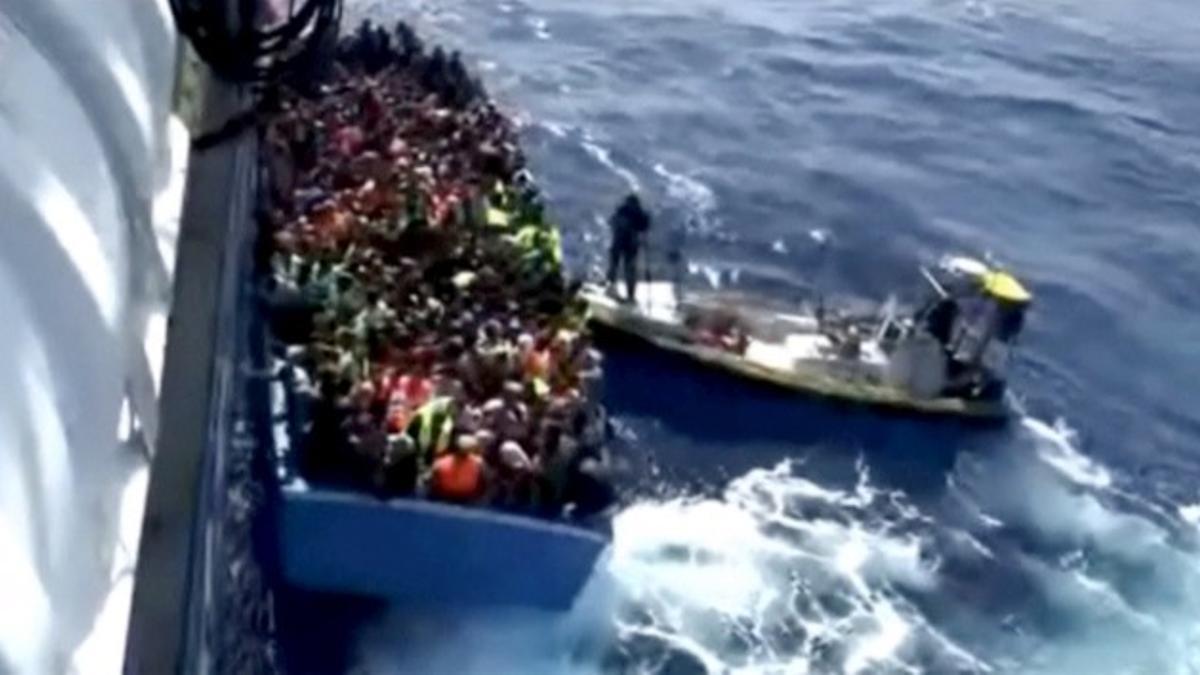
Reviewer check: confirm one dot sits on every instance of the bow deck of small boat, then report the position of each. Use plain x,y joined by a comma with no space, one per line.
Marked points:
781,348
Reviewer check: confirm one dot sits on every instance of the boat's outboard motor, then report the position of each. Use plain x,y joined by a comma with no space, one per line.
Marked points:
978,315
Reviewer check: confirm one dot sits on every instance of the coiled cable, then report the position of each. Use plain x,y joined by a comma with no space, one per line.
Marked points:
232,38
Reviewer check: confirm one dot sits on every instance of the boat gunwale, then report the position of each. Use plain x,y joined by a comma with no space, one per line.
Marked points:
302,490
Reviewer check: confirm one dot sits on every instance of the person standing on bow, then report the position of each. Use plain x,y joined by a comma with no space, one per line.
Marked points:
629,223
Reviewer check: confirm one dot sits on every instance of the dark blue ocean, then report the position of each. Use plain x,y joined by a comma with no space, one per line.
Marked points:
769,534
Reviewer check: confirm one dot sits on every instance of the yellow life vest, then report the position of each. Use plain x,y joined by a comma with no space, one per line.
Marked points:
433,426
498,218
553,245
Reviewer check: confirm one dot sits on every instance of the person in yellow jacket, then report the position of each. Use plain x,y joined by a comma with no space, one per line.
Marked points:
432,427
499,210
541,248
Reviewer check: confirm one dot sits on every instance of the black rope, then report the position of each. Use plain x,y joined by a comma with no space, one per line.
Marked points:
226,35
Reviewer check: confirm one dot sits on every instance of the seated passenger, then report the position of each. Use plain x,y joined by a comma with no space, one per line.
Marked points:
590,488
590,485
514,478
397,473
458,476
553,467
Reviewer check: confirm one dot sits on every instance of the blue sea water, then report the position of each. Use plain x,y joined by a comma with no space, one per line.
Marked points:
771,535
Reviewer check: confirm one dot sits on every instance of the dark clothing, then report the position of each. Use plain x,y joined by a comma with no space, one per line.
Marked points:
940,320
292,314
628,223
514,490
622,255
589,486
590,490
400,469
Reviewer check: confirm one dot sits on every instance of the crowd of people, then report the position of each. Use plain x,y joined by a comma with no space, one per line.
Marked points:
434,345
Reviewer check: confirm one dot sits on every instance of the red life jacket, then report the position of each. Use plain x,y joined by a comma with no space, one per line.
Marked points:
457,478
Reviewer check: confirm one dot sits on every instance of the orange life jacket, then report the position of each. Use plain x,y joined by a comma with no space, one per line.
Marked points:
538,364
457,478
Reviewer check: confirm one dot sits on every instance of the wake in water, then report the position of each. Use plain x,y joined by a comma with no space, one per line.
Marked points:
1034,564
777,575
1030,564
1112,586
781,575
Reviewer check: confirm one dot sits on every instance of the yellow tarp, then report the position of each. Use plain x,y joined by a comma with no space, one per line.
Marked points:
1004,286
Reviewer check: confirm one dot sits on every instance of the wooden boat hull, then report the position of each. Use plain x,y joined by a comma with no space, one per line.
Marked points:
627,319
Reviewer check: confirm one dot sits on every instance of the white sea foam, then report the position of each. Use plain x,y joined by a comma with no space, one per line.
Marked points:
698,568
1132,595
783,574
1190,514
717,581
541,28
990,521
710,273
973,544
602,155
556,129
688,190
981,9
1064,496
1059,451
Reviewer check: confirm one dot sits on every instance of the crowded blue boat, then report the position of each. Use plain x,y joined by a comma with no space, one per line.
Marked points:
433,394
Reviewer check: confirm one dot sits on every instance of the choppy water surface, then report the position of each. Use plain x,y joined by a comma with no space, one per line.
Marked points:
784,537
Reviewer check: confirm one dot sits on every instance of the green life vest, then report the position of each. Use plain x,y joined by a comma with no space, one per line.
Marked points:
499,211
527,239
552,243
433,426
541,248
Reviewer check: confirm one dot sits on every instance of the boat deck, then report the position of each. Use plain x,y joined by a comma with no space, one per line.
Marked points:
793,355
